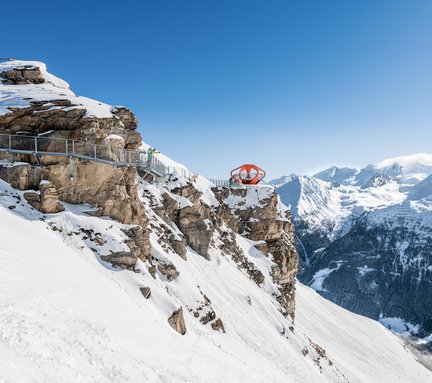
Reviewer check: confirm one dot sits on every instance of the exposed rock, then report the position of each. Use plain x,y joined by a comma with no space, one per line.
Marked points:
177,322
152,271
197,229
24,74
138,242
266,223
33,199
218,325
171,208
146,292
208,317
179,247
125,260
49,201
111,190
169,270
127,118
22,177
203,226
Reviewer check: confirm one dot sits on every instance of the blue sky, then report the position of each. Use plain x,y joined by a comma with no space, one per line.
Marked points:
293,86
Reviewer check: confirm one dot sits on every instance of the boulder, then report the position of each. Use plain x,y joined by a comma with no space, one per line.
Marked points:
177,322
169,270
218,325
146,292
33,199
125,260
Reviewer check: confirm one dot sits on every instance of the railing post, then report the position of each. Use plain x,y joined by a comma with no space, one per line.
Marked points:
66,142
35,145
73,147
10,142
94,150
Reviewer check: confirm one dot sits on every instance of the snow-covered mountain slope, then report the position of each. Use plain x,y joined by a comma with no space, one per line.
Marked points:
364,237
65,313
111,275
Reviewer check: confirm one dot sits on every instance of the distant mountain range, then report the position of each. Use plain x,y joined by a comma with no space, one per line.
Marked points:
365,238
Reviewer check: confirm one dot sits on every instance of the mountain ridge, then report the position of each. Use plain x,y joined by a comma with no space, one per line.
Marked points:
370,226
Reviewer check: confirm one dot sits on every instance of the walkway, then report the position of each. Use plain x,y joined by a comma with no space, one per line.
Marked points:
109,154
106,154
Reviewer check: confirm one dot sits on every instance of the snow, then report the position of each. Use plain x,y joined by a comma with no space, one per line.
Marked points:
168,162
335,198
413,160
65,314
255,197
54,88
319,278
362,350
114,137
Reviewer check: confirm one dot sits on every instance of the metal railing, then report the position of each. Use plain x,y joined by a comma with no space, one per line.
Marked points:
219,183
108,154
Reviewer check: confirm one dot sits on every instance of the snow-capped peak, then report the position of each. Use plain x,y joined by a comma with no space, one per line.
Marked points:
413,160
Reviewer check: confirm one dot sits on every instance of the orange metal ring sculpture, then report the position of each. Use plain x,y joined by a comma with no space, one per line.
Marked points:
248,174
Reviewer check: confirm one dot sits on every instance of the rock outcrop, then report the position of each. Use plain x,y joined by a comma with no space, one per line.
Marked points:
55,112
253,212
268,222
47,201
177,322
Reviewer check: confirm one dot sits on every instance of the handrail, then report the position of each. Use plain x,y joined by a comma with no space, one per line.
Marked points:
108,154
219,183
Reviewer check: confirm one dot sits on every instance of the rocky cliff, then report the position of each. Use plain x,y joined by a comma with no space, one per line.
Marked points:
195,215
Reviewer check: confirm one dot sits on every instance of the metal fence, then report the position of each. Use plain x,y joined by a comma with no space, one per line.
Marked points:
109,154
219,183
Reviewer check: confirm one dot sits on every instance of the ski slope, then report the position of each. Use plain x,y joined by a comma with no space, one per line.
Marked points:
65,315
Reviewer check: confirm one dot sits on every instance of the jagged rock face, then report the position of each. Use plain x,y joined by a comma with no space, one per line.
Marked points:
195,221
111,190
197,229
265,221
66,116
205,227
62,121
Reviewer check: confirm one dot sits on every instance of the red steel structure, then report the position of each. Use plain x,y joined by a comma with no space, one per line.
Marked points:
248,174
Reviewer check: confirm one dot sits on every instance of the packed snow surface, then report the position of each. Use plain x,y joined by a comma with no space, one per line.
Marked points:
66,315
